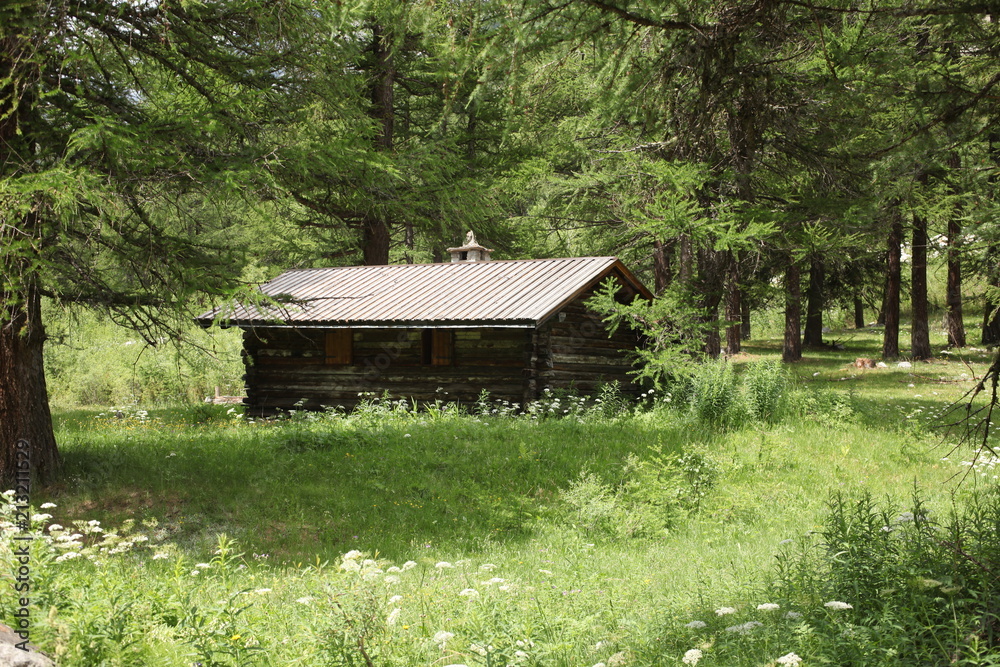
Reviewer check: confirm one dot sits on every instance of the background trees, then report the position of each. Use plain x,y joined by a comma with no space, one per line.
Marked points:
154,154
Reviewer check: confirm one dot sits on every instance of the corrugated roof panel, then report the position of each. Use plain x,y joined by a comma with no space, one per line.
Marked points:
516,291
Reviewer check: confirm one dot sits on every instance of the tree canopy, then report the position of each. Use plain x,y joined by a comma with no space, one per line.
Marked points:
155,154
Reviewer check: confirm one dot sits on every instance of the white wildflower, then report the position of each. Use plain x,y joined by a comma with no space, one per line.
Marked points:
696,625
546,571
352,555
489,567
409,565
768,606
793,615
837,605
69,555
744,628
469,593
391,579
723,611
442,637
160,556
443,565
789,659
41,517
262,591
195,573
306,599
395,599
393,617
54,527
47,506
692,656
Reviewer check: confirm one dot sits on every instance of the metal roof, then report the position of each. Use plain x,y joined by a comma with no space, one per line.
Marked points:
497,293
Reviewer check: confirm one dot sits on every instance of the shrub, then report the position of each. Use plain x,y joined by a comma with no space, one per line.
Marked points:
653,495
920,591
764,386
715,394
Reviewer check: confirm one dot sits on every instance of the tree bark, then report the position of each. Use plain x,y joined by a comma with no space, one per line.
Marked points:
375,232
685,270
744,316
662,272
792,348
376,242
25,419
920,340
859,313
813,335
27,443
890,336
953,322
713,267
991,325
734,309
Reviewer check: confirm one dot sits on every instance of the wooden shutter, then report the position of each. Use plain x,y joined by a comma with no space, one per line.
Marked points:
441,348
339,346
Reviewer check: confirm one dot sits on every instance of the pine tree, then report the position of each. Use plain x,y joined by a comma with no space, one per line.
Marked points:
118,120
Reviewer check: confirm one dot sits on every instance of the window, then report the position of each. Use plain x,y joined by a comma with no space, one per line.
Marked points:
437,347
339,347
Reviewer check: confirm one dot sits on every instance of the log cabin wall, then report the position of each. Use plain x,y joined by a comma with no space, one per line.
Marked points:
574,352
286,365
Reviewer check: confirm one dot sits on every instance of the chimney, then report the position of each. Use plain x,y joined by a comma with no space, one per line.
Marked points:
471,251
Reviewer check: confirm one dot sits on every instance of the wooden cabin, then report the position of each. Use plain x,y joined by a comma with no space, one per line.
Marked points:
432,331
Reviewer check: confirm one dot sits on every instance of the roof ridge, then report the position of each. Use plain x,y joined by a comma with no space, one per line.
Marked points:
492,261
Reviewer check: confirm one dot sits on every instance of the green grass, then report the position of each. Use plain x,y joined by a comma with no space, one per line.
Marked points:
610,577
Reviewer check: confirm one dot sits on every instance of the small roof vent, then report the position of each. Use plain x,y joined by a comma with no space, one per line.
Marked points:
471,251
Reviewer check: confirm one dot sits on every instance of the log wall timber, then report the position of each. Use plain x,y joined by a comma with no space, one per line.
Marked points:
575,352
569,351
285,366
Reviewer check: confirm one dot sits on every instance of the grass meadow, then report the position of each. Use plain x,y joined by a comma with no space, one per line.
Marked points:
824,519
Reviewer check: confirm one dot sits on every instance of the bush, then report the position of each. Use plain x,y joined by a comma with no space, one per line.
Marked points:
921,591
715,394
764,386
653,495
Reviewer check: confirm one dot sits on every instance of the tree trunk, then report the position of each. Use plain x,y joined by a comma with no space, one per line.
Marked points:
734,309
662,271
813,335
890,336
744,316
713,267
859,313
920,339
685,270
27,443
953,323
375,232
713,343
880,318
991,325
792,349
376,242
